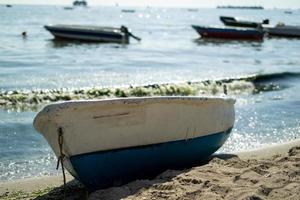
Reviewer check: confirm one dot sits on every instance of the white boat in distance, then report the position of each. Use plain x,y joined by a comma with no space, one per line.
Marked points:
114,141
91,33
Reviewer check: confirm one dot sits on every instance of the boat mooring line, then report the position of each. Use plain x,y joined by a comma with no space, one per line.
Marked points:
61,157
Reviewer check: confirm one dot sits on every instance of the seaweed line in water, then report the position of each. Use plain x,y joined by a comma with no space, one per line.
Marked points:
33,100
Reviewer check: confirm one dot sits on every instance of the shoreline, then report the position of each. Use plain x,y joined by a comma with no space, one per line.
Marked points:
51,186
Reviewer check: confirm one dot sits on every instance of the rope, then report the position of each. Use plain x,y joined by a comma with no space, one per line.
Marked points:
61,157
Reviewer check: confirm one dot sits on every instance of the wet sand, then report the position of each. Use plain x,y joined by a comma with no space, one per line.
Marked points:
272,172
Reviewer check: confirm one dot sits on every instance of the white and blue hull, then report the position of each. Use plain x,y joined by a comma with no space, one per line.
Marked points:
112,142
115,167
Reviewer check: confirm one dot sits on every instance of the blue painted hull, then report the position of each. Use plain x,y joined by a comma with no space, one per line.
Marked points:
116,167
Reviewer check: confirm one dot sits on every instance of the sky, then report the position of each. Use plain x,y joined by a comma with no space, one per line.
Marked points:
293,4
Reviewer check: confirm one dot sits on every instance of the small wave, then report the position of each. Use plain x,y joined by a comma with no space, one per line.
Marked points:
271,77
277,76
267,82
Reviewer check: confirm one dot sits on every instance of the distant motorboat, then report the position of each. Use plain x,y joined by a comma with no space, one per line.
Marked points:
68,8
128,10
111,142
229,33
193,9
282,30
288,12
231,21
91,33
8,5
80,3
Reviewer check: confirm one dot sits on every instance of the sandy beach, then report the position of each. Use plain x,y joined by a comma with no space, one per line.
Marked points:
272,172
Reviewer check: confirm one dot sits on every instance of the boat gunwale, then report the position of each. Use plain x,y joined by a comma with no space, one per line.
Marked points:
128,100
86,29
238,29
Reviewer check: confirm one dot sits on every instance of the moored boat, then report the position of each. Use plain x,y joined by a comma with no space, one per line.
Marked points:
80,3
68,8
128,10
91,33
229,33
282,30
114,141
231,21
193,9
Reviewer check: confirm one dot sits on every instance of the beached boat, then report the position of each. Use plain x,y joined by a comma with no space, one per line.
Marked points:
114,141
229,33
282,30
231,21
91,33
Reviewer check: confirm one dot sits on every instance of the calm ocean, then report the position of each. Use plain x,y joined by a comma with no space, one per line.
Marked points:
168,53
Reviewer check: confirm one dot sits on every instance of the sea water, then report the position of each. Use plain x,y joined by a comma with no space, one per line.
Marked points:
168,53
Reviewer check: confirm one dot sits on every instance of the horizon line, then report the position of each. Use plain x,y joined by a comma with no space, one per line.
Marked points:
158,6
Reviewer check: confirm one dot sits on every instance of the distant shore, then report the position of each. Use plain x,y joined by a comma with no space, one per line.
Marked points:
241,7
271,172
